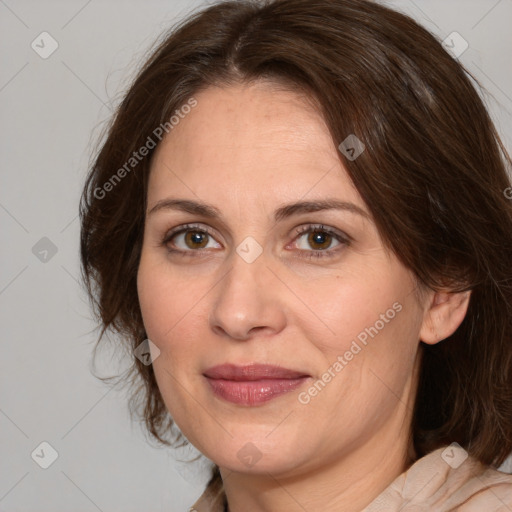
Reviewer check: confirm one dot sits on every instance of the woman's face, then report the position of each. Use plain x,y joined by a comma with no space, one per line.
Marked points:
244,286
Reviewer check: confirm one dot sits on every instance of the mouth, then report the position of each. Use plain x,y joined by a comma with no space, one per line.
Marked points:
253,384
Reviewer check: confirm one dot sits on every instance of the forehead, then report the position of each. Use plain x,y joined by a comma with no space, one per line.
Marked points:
248,140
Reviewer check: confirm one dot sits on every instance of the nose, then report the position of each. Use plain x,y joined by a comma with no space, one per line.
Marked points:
248,301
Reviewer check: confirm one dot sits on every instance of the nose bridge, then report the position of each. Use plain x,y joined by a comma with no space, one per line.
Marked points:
248,267
245,298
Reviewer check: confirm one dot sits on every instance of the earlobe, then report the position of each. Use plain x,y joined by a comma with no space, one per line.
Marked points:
444,315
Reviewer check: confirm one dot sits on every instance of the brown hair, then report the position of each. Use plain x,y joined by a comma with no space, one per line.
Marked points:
433,177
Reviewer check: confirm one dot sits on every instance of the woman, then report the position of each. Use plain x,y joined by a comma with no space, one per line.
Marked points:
299,217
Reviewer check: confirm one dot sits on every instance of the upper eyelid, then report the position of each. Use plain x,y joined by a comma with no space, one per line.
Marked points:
305,228
187,227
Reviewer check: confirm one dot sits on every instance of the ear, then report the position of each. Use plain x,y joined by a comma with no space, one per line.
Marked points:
445,312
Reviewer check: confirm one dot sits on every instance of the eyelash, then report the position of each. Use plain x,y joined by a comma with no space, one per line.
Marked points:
315,253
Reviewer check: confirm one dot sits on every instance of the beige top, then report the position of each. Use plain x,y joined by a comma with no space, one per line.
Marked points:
442,481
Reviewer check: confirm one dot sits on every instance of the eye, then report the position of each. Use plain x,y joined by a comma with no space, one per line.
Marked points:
321,240
188,239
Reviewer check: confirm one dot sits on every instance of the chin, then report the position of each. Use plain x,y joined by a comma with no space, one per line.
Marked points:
257,454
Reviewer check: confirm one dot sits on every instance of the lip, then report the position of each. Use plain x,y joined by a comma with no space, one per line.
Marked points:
252,384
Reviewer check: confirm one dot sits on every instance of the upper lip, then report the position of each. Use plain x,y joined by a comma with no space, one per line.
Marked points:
252,372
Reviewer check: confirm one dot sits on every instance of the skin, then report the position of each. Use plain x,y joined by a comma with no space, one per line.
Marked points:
248,150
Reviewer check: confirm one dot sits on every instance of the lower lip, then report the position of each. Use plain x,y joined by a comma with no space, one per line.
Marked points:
253,392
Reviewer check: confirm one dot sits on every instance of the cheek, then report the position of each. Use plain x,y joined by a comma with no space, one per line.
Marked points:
171,303
343,308
171,310
156,298
373,352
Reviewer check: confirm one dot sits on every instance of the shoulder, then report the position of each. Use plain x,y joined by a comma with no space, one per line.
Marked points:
489,490
448,479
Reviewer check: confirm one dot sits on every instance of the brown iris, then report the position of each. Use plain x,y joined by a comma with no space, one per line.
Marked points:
316,238
197,239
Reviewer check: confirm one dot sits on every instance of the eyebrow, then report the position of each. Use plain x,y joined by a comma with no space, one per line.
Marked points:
283,212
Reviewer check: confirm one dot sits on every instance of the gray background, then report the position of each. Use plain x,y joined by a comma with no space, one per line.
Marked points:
52,112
